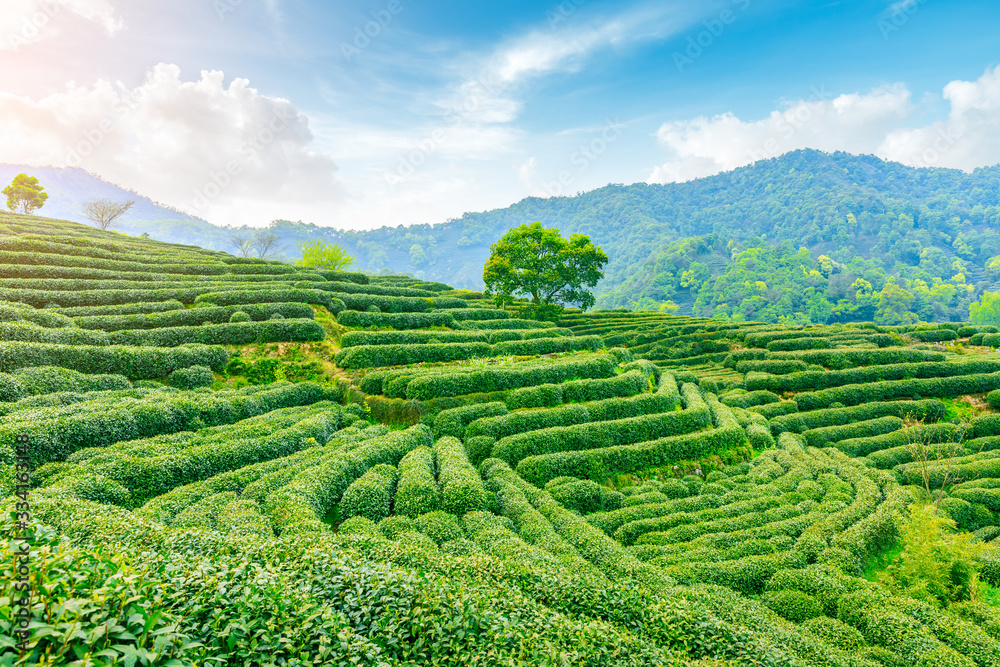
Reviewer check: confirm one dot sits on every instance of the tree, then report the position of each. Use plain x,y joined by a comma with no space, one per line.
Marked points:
105,212
533,262
986,310
265,244
320,255
240,242
25,194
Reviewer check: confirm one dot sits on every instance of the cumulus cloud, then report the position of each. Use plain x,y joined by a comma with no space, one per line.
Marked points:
859,123
25,22
969,138
856,123
197,145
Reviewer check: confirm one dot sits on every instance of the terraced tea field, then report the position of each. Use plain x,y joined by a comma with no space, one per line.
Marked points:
243,462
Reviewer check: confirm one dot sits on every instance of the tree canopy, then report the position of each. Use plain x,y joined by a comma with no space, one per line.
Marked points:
531,261
105,212
318,254
25,194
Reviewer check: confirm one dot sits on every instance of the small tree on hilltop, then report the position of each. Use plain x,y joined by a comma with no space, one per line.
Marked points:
533,262
105,212
266,244
25,194
319,255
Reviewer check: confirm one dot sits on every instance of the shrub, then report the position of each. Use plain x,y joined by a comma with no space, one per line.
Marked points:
239,316
930,410
521,421
936,336
773,366
462,489
353,318
379,290
132,362
57,432
794,606
453,422
759,437
507,377
584,496
598,464
25,382
509,323
299,506
257,296
418,492
595,435
813,380
368,356
598,388
798,344
439,526
240,333
750,399
370,495
863,429
884,391
459,312
194,316
479,448
191,378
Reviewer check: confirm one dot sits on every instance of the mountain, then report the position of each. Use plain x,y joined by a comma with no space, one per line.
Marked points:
881,240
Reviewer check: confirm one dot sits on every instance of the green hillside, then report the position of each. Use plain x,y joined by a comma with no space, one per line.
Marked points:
217,460
882,241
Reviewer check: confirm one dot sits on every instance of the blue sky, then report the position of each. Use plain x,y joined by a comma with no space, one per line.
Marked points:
357,114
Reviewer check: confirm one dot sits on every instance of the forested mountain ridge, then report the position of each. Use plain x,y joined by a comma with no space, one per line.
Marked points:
730,244
883,241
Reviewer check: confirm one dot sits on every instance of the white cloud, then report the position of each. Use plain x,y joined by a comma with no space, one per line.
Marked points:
870,123
855,123
527,172
24,22
969,138
490,92
216,151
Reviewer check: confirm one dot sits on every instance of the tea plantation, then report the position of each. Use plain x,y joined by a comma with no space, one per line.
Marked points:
242,462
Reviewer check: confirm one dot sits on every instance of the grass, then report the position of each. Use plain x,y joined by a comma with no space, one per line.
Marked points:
965,407
879,563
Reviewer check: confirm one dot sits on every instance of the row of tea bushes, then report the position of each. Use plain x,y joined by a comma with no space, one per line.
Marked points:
193,317
356,338
136,363
812,380
236,333
35,381
58,432
402,321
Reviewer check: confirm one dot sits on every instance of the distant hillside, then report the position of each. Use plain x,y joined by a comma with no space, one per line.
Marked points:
883,241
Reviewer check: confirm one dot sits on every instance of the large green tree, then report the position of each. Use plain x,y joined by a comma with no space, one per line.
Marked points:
537,263
25,194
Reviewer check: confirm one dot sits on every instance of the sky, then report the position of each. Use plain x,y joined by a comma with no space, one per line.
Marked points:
359,114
